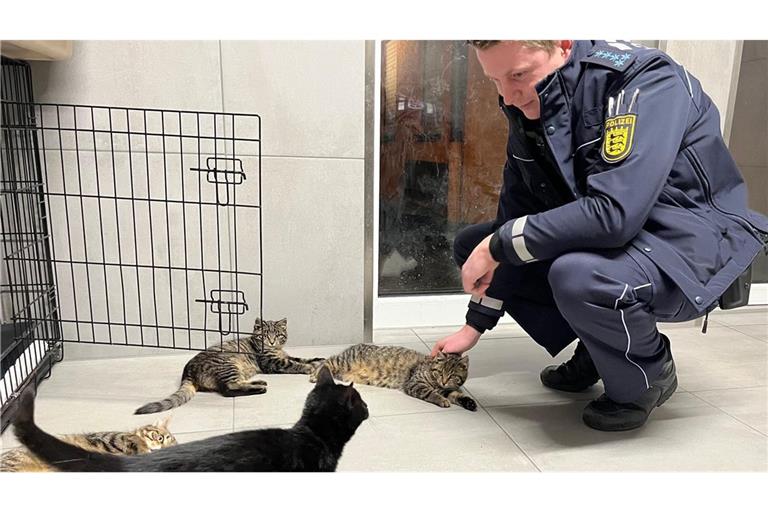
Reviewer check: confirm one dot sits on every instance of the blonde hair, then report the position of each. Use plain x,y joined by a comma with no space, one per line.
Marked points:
548,45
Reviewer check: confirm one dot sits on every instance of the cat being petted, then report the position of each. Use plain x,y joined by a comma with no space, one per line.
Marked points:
332,413
144,439
223,370
435,380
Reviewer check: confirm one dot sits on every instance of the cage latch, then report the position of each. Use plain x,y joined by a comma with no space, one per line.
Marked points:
226,309
225,173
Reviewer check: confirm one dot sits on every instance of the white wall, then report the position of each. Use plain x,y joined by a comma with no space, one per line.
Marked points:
310,96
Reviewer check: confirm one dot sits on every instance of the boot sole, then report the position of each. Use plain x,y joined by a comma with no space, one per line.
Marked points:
623,428
574,389
672,388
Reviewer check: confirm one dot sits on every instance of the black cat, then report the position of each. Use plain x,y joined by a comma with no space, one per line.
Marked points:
332,413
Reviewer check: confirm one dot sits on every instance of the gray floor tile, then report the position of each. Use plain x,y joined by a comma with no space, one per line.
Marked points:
506,372
747,315
759,332
281,404
685,434
141,378
451,441
721,359
748,405
714,428
395,336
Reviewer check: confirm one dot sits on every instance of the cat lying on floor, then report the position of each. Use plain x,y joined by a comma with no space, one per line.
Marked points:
230,368
332,413
145,439
435,380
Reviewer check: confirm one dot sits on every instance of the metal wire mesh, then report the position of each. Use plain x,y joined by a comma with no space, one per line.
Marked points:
132,226
29,328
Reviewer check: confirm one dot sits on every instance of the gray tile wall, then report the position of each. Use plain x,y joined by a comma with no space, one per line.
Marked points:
310,95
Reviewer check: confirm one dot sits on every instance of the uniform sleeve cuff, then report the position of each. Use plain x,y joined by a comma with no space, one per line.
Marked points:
497,251
511,238
481,322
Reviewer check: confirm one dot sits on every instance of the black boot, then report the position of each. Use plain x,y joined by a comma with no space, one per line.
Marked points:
605,414
576,374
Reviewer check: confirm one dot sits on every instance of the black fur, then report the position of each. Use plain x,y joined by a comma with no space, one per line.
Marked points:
332,413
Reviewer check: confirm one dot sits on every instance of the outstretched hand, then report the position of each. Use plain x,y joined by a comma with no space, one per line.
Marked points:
458,342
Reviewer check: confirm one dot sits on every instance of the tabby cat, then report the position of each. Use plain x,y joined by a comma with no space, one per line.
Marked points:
142,440
435,380
332,413
222,370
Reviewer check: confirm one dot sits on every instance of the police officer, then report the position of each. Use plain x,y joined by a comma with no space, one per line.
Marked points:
620,207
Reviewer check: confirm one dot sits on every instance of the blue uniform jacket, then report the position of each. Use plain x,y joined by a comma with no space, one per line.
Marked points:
638,144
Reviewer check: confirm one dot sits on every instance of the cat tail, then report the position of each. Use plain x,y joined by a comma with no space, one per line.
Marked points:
52,450
183,395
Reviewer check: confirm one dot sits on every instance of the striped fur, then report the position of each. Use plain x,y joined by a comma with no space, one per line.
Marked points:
435,380
229,369
144,439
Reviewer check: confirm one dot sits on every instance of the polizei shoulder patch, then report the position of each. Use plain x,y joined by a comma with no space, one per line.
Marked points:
610,57
618,138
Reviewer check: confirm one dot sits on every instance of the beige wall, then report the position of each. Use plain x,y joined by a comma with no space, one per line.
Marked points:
716,65
749,138
310,96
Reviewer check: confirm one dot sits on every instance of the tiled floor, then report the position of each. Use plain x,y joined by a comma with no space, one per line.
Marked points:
717,420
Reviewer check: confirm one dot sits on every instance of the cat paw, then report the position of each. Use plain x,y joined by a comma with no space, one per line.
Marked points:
316,361
443,403
313,366
258,382
467,403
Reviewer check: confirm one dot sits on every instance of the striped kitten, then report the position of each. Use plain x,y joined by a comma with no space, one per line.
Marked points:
142,440
232,374
435,380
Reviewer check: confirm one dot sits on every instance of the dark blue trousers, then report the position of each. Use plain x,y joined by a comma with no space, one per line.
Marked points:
610,299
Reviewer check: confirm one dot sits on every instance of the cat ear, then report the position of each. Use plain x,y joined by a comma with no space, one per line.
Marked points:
257,324
350,396
283,322
324,377
465,360
162,423
441,355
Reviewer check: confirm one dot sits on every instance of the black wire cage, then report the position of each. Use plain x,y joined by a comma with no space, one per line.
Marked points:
123,226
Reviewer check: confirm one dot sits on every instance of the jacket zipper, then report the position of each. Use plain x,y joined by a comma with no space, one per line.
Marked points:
699,169
549,144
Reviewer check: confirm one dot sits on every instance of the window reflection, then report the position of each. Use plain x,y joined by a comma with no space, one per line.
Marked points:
442,154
